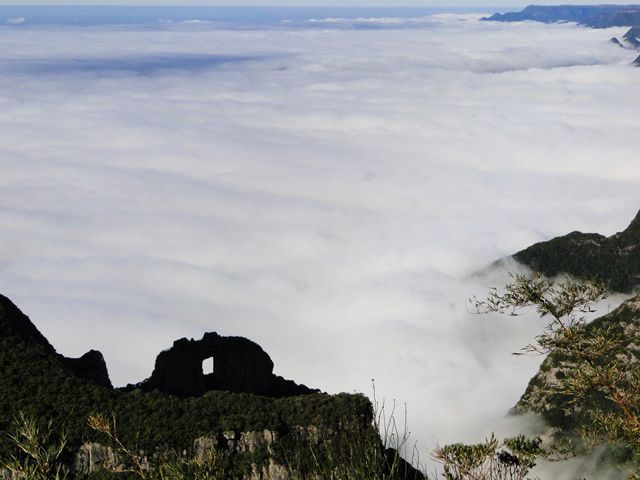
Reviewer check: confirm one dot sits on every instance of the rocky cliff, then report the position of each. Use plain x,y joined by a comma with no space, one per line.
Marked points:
614,260
630,40
632,37
260,437
542,396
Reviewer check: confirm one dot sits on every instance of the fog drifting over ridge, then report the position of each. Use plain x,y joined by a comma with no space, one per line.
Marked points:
324,192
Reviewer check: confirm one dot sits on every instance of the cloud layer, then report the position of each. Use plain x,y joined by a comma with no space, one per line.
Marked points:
325,192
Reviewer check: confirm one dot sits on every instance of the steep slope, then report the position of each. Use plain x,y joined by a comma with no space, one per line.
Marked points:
540,396
630,41
632,37
615,260
14,324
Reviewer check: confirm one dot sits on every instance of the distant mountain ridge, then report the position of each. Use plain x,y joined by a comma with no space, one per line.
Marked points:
595,16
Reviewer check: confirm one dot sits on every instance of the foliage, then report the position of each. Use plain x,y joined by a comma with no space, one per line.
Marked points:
135,462
600,381
37,454
356,450
212,465
566,303
359,452
490,460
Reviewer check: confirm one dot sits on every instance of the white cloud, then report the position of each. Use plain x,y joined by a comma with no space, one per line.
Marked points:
325,192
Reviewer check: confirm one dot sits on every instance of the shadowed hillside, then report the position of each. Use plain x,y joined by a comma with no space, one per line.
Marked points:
614,260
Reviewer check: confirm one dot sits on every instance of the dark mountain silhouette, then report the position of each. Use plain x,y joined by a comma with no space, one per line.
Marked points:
239,365
614,260
13,323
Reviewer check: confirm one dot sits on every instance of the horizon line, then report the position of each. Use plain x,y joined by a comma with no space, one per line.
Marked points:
498,6
243,6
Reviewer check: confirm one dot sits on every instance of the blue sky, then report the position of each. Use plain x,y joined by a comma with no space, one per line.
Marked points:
308,3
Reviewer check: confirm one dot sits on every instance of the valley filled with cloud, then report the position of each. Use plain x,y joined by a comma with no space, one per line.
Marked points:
327,188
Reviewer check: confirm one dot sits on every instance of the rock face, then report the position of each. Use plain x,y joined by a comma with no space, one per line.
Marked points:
632,37
92,457
540,396
596,16
614,260
236,365
630,40
617,42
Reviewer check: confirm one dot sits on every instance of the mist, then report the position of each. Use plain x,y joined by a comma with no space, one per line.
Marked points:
326,192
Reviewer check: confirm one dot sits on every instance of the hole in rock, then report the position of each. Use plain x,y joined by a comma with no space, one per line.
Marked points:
208,366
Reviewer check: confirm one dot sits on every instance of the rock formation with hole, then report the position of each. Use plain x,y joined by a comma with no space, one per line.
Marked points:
239,365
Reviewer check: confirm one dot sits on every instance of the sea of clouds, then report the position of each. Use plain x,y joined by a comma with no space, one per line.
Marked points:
326,192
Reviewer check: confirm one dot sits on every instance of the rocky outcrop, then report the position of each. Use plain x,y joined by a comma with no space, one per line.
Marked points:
237,364
261,454
614,260
93,457
630,40
617,42
596,16
632,37
91,366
